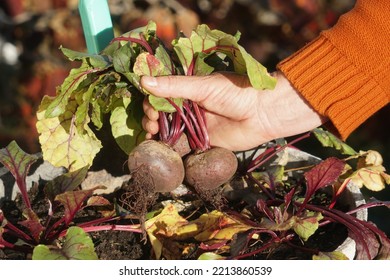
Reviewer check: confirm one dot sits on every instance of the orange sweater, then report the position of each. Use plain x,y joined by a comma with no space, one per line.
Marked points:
344,72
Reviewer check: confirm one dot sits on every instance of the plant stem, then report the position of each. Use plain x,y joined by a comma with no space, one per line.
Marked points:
6,244
200,116
163,126
141,42
349,221
195,124
261,186
18,232
271,152
196,114
92,227
221,48
274,239
131,228
176,130
339,191
98,221
190,128
362,207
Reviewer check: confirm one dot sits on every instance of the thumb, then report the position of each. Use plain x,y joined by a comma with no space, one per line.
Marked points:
186,87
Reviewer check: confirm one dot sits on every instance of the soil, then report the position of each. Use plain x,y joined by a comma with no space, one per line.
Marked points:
122,245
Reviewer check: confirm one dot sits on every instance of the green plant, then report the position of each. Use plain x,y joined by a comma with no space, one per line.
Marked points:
108,83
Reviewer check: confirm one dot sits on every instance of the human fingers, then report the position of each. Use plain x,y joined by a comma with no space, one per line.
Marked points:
149,111
151,127
225,94
174,86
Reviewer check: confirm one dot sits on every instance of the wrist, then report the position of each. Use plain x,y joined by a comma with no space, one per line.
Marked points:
284,112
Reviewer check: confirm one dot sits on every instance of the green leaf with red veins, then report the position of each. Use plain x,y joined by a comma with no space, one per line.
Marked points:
161,104
370,171
83,100
149,65
77,246
107,92
70,85
65,182
33,224
273,225
62,142
86,96
306,224
18,163
162,55
140,40
257,73
122,57
204,40
147,32
73,201
97,116
201,68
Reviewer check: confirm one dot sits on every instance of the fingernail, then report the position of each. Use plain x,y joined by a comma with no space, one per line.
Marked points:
149,81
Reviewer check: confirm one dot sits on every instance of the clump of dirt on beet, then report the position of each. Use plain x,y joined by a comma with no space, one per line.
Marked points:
213,198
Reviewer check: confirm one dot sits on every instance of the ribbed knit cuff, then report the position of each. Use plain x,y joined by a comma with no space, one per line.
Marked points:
333,86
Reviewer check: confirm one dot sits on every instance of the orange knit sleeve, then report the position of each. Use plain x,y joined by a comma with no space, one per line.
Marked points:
344,72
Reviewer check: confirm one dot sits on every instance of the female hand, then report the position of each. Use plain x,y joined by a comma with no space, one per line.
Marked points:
238,116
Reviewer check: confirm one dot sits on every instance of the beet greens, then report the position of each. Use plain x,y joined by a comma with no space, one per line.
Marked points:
108,83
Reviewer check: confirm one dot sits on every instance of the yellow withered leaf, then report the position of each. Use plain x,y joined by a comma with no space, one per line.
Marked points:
210,226
64,143
336,255
164,224
373,178
218,225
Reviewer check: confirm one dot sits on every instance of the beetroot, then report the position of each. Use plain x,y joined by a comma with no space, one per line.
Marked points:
158,162
210,169
182,147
